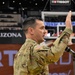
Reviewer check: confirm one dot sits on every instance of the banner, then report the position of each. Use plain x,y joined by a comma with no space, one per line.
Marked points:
7,52
12,37
54,24
64,66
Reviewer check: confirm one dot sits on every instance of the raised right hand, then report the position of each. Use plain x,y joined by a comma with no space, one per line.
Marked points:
68,20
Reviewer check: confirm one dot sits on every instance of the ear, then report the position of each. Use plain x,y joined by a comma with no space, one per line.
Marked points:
30,30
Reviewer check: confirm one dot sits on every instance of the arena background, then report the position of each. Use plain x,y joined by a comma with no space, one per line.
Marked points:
12,15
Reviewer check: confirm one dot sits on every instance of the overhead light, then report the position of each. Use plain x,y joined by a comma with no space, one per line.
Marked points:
3,2
35,3
13,1
22,8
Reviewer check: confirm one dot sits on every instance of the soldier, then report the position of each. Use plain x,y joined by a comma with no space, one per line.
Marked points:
33,58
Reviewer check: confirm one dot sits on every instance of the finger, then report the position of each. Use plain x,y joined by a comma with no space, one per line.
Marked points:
69,15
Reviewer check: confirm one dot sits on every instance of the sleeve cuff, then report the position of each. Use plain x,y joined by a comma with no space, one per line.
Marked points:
69,31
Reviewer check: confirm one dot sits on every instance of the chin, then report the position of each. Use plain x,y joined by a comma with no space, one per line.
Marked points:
43,40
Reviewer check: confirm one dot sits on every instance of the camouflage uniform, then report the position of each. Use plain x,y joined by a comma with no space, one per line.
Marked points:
33,59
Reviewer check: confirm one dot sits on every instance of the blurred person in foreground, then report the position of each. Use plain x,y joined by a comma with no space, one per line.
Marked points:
33,58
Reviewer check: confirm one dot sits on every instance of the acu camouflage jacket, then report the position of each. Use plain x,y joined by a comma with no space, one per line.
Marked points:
33,59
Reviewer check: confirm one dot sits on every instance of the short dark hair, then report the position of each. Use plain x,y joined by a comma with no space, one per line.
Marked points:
29,22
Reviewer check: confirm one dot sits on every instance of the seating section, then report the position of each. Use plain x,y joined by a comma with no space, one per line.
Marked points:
10,21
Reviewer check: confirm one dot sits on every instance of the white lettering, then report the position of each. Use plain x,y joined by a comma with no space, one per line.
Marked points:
65,62
69,73
60,1
10,54
10,35
1,59
68,62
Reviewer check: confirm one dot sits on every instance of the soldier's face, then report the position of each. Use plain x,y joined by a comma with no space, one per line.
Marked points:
39,31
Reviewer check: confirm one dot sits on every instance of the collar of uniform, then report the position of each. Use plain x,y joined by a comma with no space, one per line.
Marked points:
30,40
